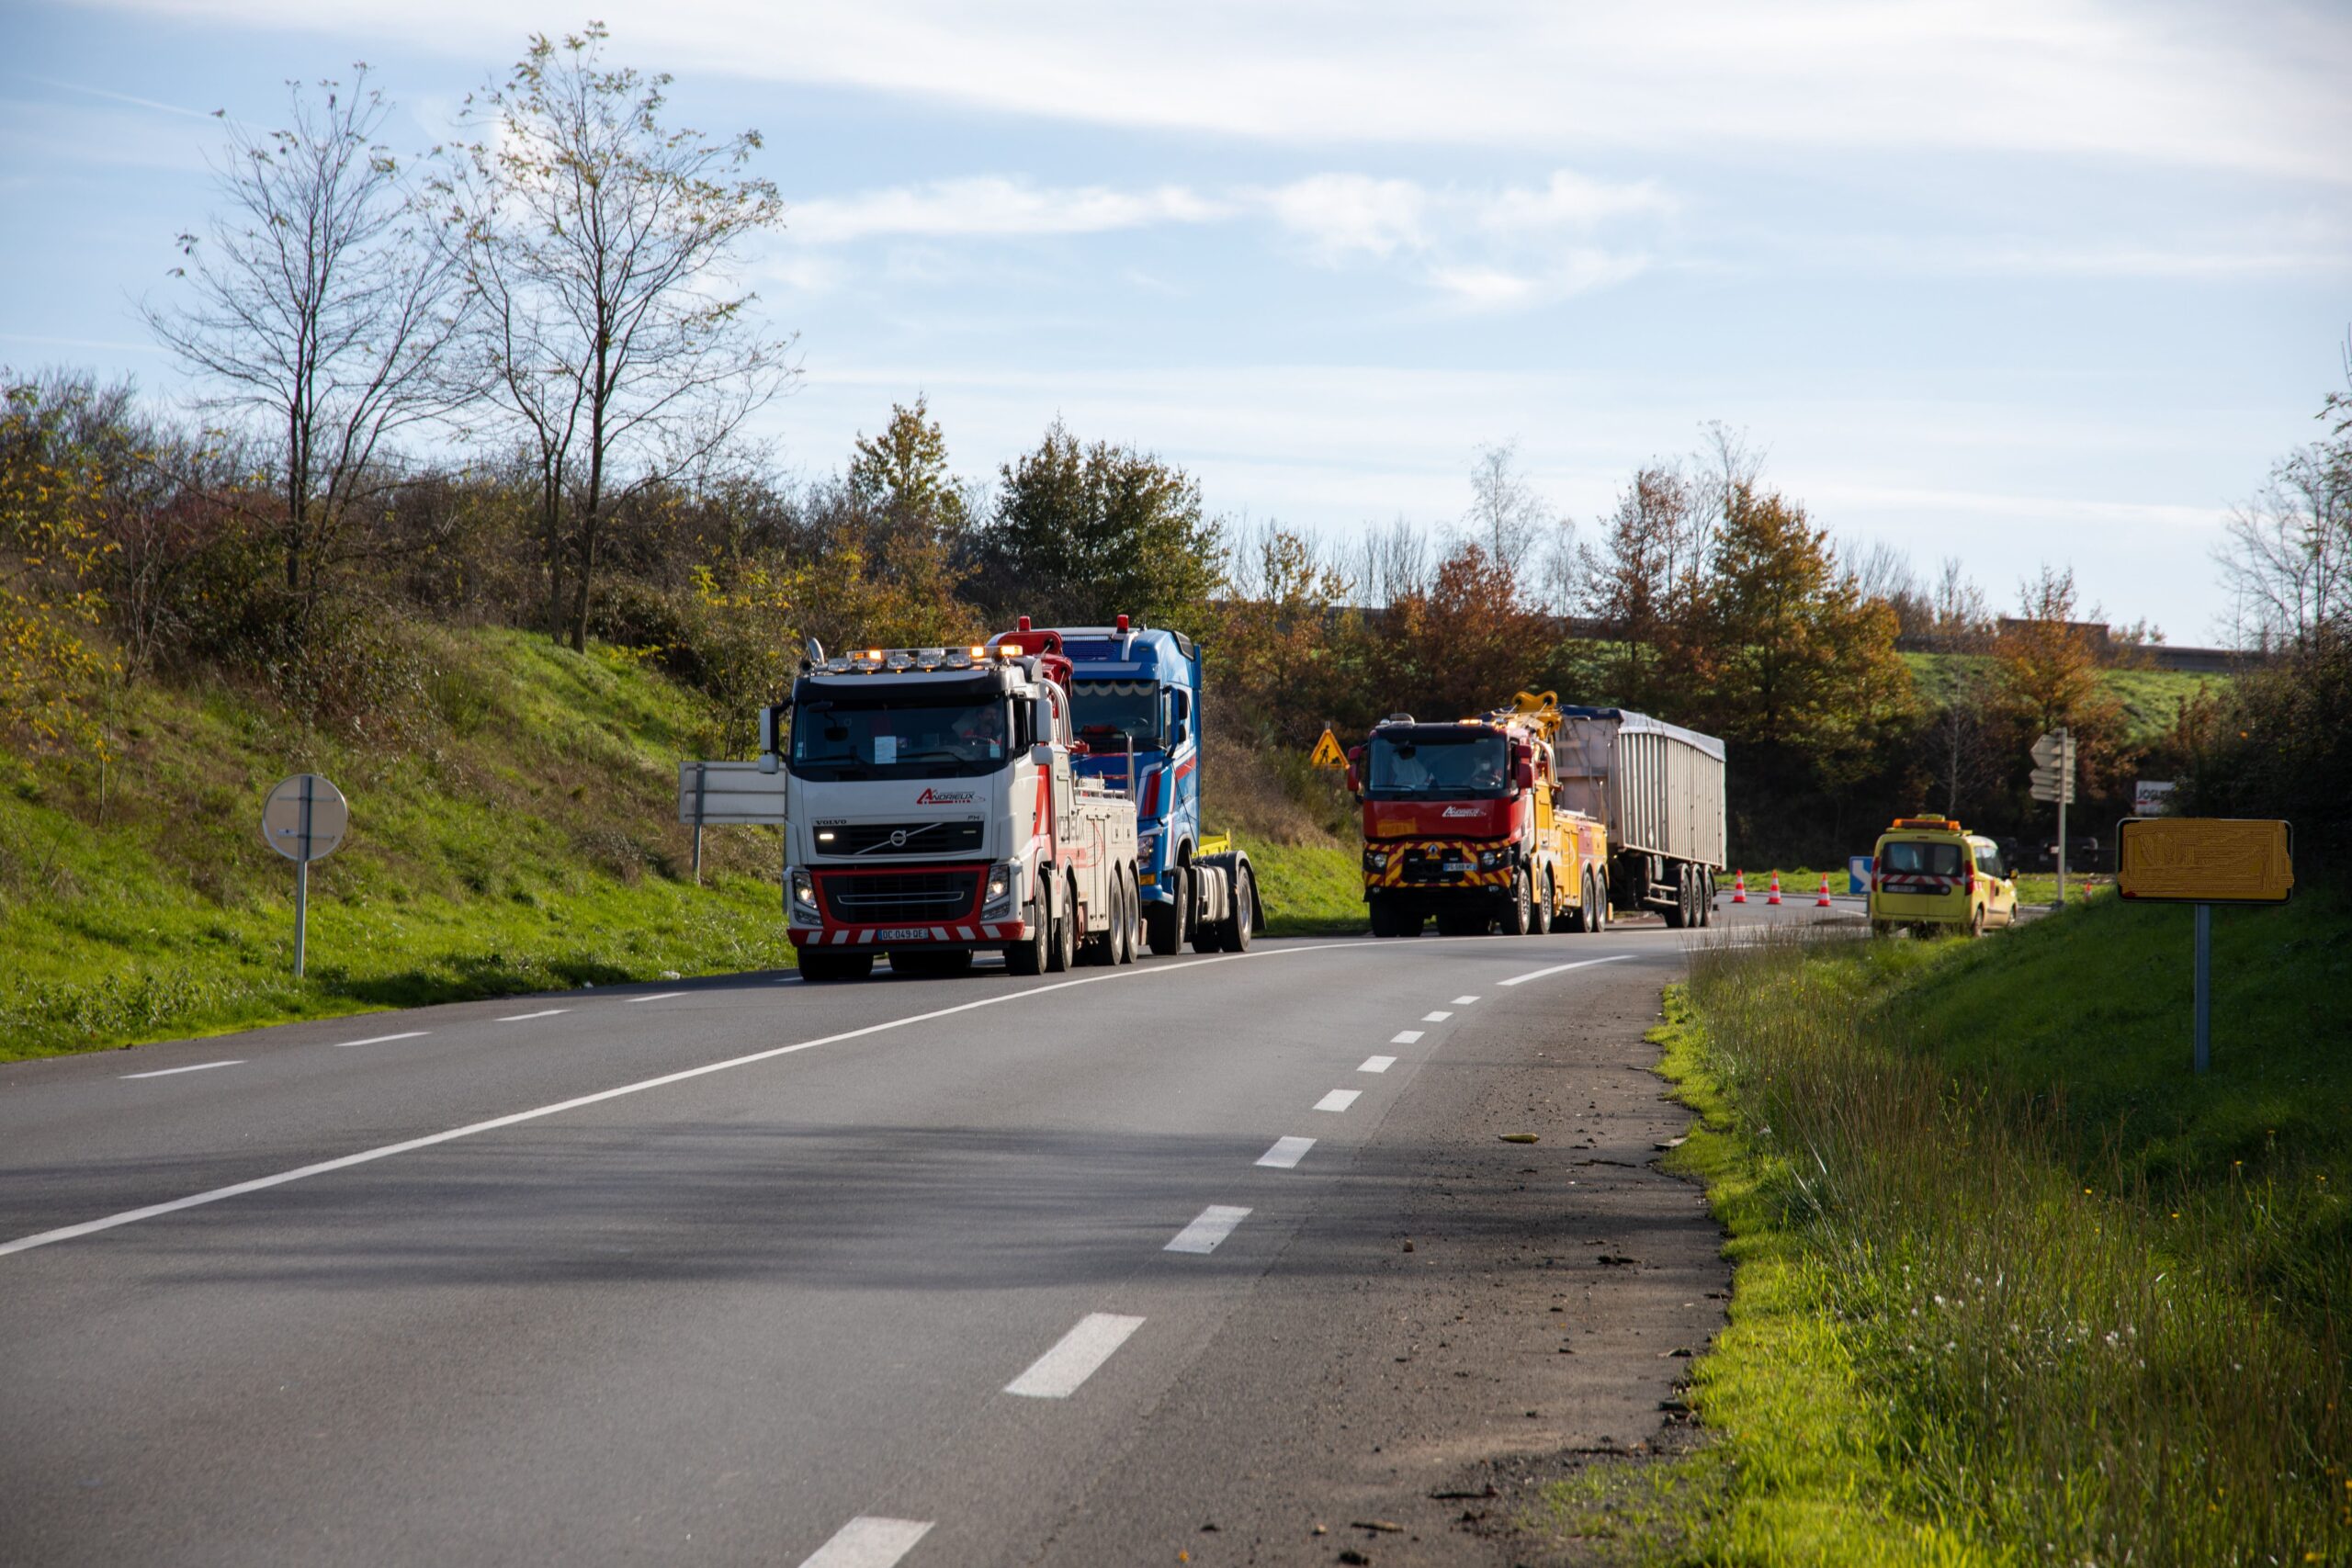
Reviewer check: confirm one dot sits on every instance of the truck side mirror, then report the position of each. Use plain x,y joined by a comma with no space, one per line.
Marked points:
1523,773
771,721
1041,754
1353,788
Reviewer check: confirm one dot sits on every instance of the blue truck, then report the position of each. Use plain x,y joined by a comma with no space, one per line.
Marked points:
1136,703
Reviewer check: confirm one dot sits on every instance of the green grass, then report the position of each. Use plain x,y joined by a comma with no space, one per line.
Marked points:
2012,1284
2151,698
515,831
1308,889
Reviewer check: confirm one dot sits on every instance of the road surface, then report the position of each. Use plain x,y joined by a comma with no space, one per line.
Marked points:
1224,1256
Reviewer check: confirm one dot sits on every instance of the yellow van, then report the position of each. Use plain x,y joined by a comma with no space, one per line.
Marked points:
1929,871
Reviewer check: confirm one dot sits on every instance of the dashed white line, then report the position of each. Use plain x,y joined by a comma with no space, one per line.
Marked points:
663,996
1339,1100
1286,1152
1464,1001
197,1068
1563,968
382,1039
1405,1037
1377,1063
523,1017
868,1542
1212,1226
1435,1017
1074,1359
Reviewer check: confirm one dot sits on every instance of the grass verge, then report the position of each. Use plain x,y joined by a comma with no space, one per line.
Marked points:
2012,1286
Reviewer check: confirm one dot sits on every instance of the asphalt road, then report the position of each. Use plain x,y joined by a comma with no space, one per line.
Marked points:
1096,1268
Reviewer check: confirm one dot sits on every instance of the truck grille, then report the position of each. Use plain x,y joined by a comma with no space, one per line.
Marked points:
874,839
889,897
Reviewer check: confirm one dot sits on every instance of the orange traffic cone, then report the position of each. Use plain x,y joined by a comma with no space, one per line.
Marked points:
1776,889
1739,887
1823,902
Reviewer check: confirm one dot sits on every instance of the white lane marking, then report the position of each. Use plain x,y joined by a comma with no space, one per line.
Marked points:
868,1542
1435,1017
663,996
1405,1037
1212,1226
1464,1001
1564,968
385,1151
1286,1152
525,1017
197,1068
1377,1063
382,1039
1057,1372
1339,1100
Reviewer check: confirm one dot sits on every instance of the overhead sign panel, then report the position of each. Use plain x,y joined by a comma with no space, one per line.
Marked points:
2205,859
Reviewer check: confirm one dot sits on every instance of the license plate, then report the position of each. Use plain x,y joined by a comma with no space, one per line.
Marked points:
903,934
1457,866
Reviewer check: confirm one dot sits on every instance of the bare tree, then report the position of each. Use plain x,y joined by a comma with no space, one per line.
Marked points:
1963,617
1392,563
2289,555
1729,463
319,310
597,243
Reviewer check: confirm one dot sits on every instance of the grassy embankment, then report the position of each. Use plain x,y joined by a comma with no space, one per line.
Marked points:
2013,1285
521,836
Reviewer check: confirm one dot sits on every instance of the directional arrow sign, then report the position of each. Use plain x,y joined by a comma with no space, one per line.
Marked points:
2049,784
2054,750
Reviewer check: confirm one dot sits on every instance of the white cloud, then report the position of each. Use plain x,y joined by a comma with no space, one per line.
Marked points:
994,207
1340,215
1571,200
2253,86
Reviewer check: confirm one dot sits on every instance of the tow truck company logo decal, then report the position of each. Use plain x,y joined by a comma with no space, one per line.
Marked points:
1465,811
947,797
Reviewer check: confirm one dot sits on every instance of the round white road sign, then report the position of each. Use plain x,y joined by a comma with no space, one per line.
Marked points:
305,817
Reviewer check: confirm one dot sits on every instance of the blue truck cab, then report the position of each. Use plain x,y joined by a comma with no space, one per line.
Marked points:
1136,703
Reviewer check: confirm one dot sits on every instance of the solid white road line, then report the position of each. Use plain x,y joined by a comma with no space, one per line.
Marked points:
1377,1063
663,996
1464,1001
167,1072
385,1151
1339,1100
1563,968
1286,1152
1435,1017
868,1542
548,1012
1212,1226
1405,1037
1057,1372
382,1039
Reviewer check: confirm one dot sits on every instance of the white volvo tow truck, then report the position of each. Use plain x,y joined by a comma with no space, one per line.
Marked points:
930,812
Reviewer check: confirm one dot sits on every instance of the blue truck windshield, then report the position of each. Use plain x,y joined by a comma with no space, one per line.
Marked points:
1110,712
1437,764
839,739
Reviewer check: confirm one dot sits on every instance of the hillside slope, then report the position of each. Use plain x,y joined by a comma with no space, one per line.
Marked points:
521,834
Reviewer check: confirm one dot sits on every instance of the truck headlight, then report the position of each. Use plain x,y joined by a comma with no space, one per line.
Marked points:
1377,859
1489,859
1003,884
803,893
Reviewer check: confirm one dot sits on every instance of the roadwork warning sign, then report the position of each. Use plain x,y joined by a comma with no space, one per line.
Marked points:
2205,859
1327,752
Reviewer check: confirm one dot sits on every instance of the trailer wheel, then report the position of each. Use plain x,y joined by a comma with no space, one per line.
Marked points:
1678,914
1028,956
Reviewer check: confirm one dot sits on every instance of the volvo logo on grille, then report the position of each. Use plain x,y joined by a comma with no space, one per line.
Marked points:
898,838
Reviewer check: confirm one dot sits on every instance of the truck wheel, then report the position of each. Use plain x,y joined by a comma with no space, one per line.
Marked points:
1543,905
1063,954
1164,923
1208,936
1238,926
1122,922
1676,912
1707,897
1028,957
1518,916
1588,919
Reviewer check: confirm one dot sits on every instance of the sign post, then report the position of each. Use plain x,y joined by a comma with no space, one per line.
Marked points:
2053,779
304,818
2204,861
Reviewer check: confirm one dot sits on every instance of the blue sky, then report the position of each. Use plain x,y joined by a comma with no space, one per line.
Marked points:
2016,282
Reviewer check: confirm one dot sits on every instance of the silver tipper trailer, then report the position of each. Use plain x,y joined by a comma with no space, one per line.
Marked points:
1660,789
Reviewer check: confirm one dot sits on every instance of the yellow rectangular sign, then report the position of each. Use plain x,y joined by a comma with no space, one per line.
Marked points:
2205,859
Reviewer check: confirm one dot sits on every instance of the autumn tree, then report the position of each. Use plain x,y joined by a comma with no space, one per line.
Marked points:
1463,645
52,663
1287,642
596,242
1642,585
1085,533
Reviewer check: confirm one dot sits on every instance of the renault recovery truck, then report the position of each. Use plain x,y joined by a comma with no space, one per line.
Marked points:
1136,691
933,809
1461,822
1660,788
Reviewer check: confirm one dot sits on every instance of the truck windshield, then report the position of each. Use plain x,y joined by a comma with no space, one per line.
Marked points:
850,739
1438,764
1108,712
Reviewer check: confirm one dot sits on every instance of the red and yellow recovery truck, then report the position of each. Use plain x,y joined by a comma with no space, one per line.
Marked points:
1461,823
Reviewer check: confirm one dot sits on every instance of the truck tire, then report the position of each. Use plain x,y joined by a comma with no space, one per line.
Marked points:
1028,956
819,968
1164,923
1208,936
1236,929
1543,892
1678,914
1062,955
1707,898
1519,914
1588,912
